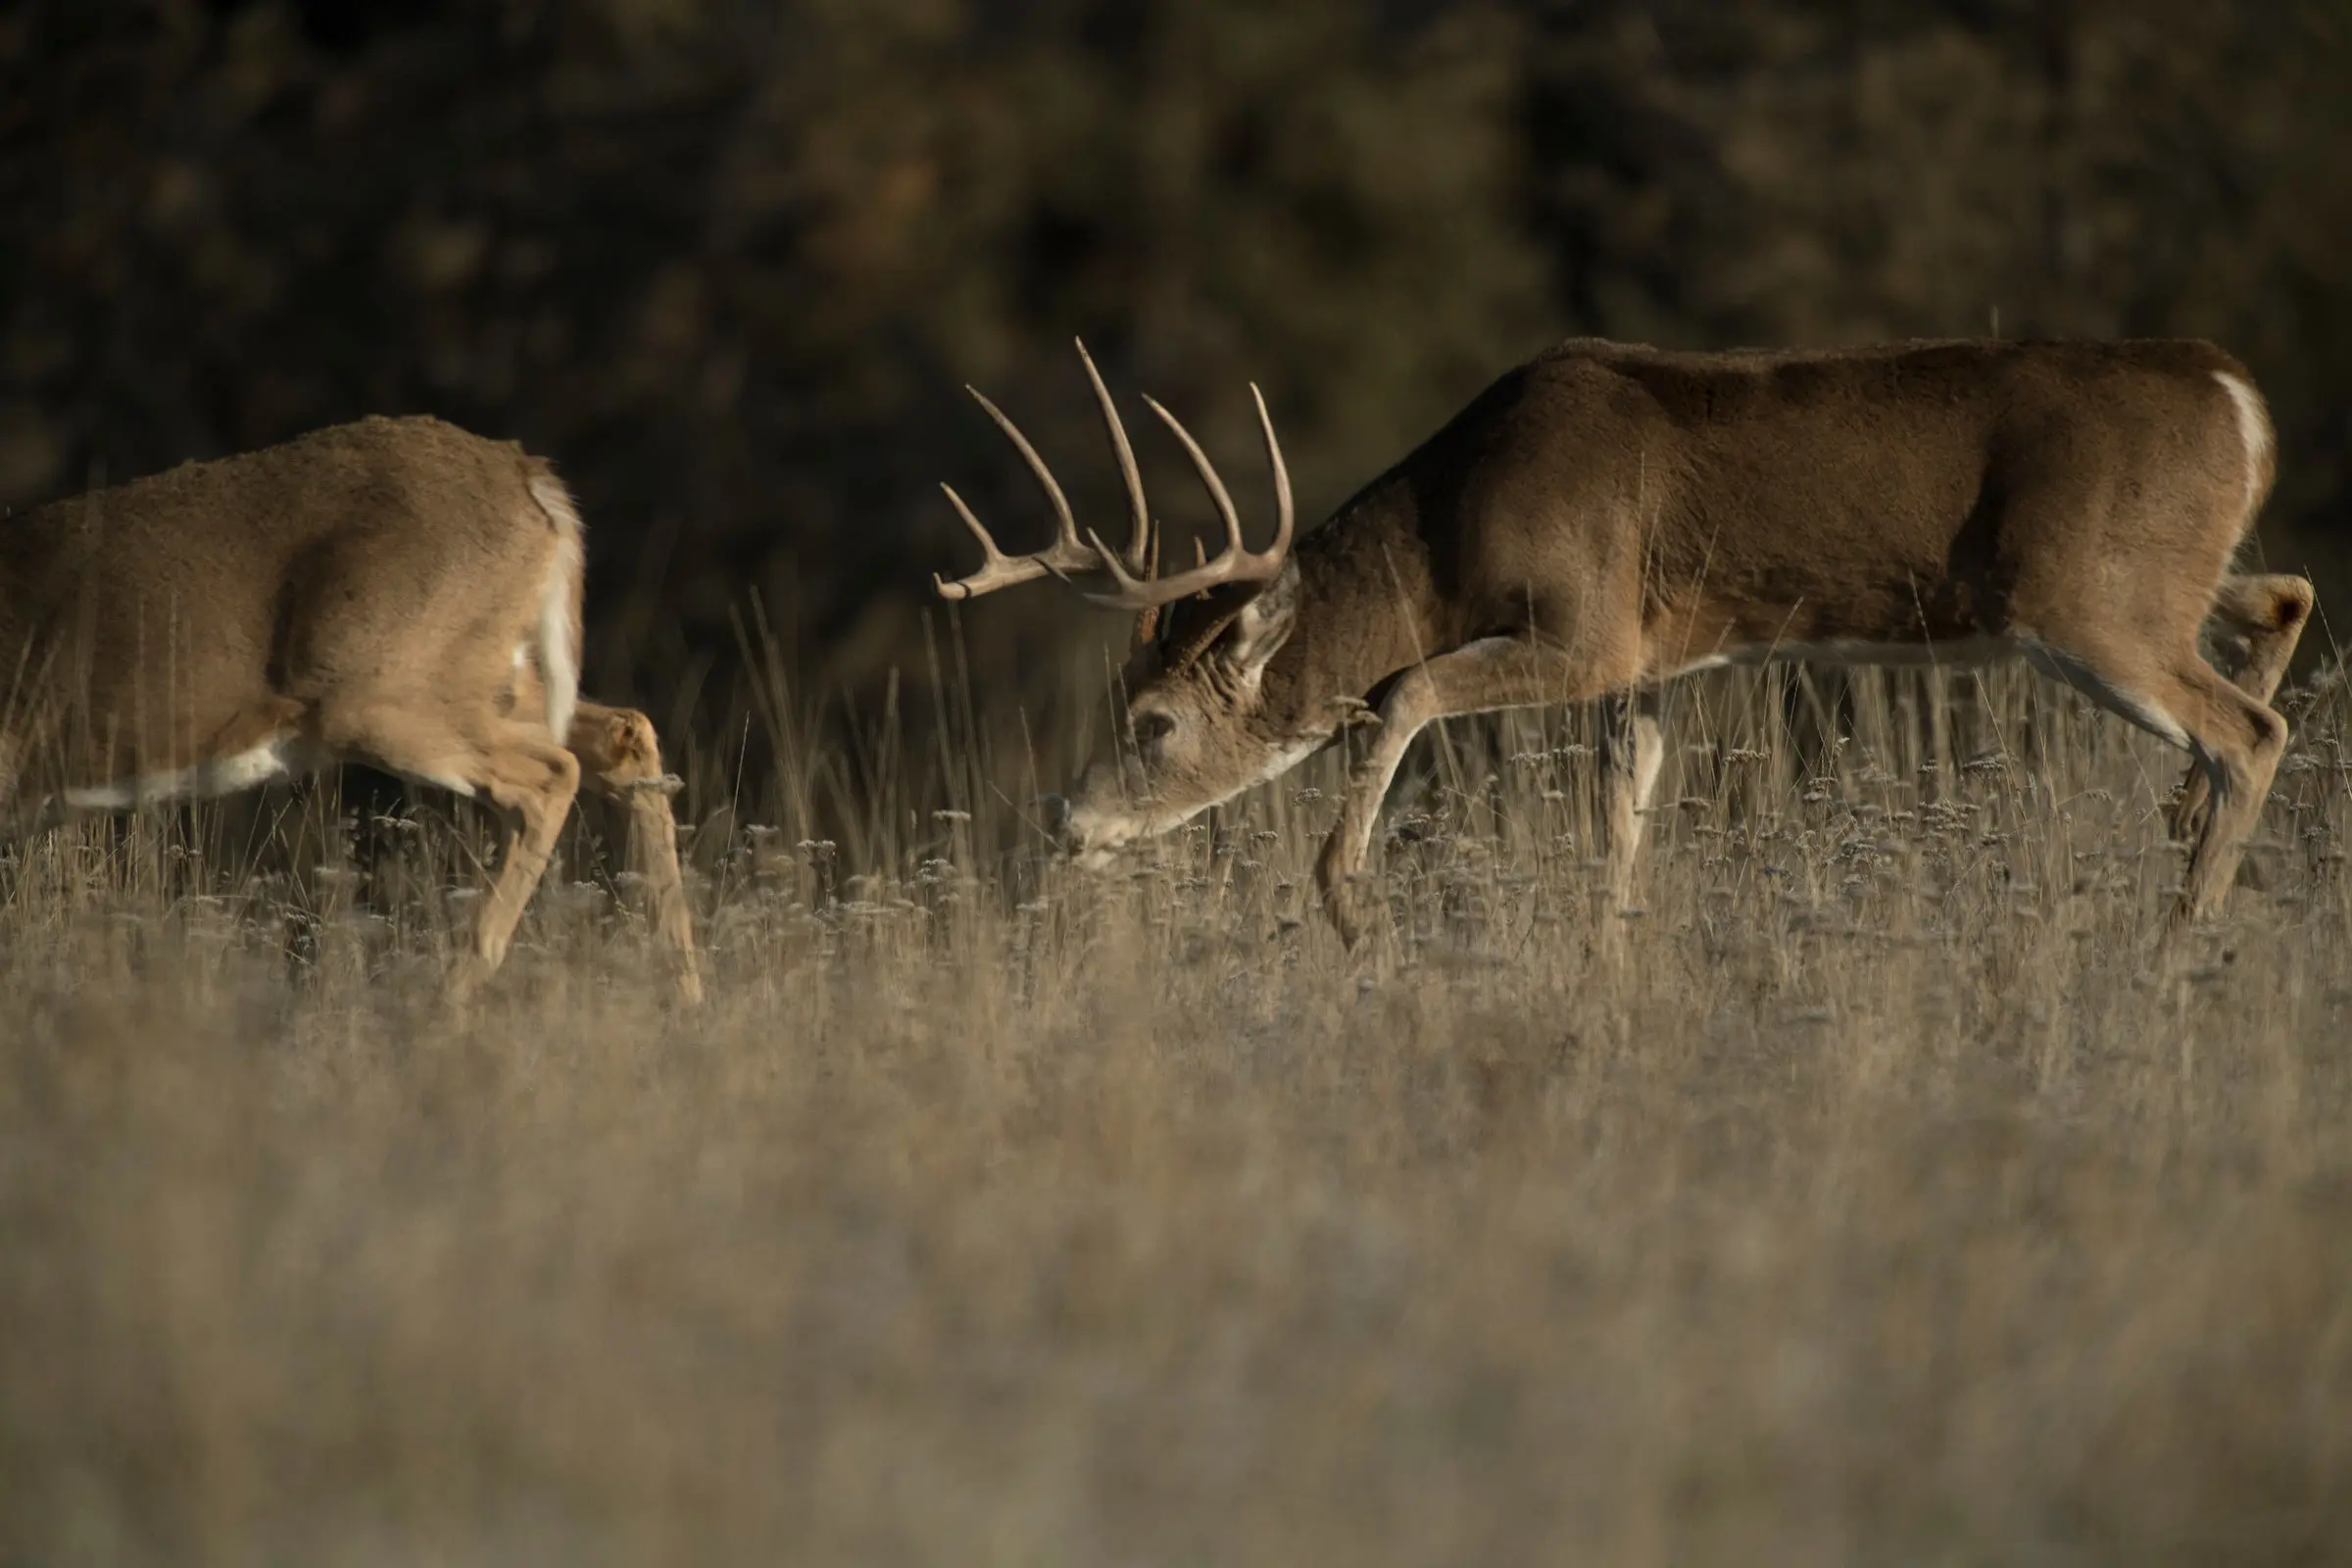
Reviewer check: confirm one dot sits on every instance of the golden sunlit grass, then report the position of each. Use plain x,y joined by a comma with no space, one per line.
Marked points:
1886,1205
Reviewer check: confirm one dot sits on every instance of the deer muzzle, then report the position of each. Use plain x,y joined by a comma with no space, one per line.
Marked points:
1053,814
1080,834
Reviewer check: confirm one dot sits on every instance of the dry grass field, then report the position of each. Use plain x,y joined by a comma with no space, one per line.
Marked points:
1886,1205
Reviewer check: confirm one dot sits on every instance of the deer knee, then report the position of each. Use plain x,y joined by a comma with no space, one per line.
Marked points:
563,778
1410,702
2264,606
2291,602
2268,735
540,789
2234,768
617,748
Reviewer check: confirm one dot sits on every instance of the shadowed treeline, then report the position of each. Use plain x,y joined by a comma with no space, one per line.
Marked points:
727,262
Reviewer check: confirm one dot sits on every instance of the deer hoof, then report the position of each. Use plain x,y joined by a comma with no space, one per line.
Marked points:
1355,910
2186,819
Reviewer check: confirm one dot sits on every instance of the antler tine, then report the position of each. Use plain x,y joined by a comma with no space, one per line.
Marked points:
991,558
997,568
1286,514
1207,470
1138,512
1067,553
1066,526
1146,625
1234,563
1136,584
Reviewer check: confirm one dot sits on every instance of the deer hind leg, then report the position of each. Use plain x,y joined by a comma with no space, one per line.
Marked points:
511,764
1494,672
2235,739
2265,618
1633,749
621,759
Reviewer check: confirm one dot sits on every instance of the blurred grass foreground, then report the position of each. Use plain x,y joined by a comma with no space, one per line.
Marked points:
1885,1205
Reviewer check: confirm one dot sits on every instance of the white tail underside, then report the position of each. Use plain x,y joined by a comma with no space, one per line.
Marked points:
559,659
2254,430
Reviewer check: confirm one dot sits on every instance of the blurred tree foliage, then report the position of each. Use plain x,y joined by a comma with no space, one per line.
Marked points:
727,261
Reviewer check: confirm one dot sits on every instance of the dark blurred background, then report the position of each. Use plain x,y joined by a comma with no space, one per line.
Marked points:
728,263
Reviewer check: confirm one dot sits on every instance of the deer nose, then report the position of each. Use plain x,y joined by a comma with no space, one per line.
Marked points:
1053,810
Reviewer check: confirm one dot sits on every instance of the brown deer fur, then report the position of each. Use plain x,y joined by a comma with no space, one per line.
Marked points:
393,592
1606,517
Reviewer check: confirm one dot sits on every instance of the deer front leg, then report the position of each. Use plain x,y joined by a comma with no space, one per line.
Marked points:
1478,677
505,763
2267,615
1631,751
1339,869
621,759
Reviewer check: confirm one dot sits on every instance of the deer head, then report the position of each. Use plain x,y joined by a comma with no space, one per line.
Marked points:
1198,728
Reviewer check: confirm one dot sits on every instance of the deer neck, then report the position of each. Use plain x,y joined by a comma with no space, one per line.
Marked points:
1367,609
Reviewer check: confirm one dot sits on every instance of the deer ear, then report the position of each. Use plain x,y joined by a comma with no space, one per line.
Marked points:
1261,626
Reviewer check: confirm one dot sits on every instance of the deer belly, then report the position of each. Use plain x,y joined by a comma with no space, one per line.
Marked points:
1960,652
228,774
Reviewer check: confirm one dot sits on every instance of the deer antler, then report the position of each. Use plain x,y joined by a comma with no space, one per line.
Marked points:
1146,625
1234,563
1133,582
1067,553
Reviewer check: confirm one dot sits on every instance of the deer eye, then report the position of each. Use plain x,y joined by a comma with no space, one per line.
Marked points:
1152,728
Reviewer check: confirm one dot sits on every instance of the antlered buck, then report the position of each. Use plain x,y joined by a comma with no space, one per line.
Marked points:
392,592
1606,517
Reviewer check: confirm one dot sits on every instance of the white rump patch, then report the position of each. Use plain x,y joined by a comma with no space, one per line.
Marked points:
558,656
2253,431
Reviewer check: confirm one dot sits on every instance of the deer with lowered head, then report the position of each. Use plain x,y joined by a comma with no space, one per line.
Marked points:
393,592
1608,516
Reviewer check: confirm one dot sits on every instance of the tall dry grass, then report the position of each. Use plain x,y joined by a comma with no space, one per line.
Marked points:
1885,1205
